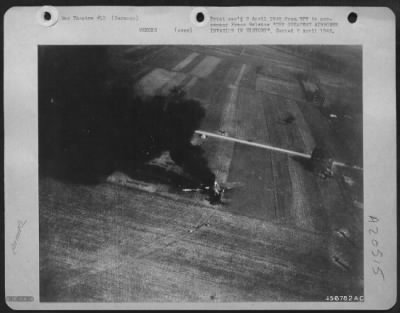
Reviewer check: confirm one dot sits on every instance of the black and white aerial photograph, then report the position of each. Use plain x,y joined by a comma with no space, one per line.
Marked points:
193,173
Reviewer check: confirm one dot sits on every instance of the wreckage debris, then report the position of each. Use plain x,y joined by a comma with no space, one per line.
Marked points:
216,193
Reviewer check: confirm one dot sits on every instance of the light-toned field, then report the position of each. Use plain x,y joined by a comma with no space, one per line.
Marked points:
282,234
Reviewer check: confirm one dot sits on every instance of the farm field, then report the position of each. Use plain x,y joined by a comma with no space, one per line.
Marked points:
281,234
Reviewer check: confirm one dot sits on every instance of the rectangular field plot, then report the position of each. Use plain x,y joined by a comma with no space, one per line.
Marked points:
206,66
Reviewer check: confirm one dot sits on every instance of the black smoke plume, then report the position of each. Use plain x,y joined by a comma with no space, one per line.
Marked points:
91,123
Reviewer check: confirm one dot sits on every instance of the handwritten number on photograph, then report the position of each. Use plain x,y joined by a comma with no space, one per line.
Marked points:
373,231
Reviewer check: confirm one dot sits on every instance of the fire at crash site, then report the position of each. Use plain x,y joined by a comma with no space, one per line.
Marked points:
200,173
